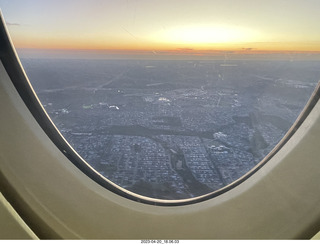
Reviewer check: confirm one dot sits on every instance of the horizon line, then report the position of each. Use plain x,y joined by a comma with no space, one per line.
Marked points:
177,51
176,54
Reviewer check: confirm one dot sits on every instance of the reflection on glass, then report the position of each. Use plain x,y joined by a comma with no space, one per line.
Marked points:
170,101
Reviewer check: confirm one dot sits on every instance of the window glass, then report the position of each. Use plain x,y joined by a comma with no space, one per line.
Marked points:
170,100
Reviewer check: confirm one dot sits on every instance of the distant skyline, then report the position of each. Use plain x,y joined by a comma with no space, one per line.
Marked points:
176,26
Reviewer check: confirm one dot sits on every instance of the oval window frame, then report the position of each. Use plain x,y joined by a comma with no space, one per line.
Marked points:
51,220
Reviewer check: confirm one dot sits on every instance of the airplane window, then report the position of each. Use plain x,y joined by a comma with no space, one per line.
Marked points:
165,100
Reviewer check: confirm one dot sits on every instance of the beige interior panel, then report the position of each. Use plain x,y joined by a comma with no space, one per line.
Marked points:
280,201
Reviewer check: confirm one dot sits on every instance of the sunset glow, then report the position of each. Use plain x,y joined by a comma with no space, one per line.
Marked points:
191,27
202,35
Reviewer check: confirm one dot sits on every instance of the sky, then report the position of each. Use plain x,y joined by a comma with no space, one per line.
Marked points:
183,26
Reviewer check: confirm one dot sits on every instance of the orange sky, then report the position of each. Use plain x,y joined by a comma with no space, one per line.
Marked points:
253,47
177,26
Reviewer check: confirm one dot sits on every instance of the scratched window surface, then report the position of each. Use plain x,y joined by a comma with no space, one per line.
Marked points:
166,100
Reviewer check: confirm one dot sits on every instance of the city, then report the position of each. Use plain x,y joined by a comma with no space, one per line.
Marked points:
173,129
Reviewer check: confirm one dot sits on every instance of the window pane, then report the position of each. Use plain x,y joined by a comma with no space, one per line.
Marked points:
173,129
170,101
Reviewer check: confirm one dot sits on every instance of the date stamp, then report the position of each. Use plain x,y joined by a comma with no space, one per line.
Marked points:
159,241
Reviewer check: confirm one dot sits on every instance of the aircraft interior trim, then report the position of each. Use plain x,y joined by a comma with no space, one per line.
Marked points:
45,195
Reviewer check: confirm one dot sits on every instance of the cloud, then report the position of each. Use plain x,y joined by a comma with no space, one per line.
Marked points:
12,24
247,49
185,49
